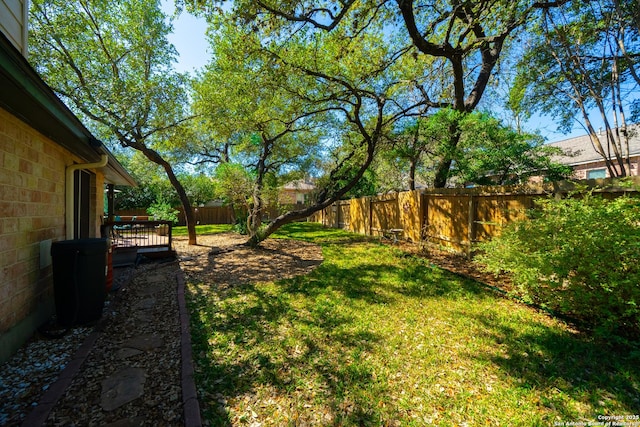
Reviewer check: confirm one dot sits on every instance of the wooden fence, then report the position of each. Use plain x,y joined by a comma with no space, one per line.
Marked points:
454,217
203,215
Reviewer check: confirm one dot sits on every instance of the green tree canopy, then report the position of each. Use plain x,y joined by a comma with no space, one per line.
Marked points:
491,153
112,63
449,49
488,152
580,64
282,105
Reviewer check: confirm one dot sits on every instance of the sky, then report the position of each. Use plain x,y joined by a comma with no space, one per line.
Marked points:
189,39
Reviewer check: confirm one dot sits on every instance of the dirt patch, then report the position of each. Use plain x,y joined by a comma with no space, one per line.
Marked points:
224,260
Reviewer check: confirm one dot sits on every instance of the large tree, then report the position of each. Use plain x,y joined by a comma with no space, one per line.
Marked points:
488,153
112,62
251,118
580,64
455,45
410,145
286,101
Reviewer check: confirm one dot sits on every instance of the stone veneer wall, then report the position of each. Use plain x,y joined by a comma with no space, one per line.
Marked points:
32,206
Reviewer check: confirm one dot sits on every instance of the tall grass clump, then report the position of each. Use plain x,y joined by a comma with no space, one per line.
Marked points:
579,257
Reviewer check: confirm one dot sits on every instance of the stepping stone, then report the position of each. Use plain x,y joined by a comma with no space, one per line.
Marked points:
144,316
156,278
144,342
122,387
127,422
127,352
148,290
145,304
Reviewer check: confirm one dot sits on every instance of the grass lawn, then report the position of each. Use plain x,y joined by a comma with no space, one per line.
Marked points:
376,337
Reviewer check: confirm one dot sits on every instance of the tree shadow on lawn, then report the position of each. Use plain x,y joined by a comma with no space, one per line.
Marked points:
252,353
566,366
246,319
379,282
241,350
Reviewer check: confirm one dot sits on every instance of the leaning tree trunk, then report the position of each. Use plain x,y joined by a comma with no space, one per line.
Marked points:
182,194
323,202
186,205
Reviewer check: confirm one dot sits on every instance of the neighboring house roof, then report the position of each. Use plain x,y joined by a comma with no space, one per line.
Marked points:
299,185
25,95
580,149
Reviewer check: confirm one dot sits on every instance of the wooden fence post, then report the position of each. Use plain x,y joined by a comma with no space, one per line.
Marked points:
470,225
369,205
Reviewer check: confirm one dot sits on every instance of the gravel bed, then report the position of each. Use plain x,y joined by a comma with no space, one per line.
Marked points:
32,370
145,304
39,362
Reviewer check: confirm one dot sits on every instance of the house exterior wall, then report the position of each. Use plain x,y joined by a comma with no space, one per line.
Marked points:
32,215
582,171
287,197
292,197
13,22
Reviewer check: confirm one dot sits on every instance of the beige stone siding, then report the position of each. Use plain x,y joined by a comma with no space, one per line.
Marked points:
287,197
32,208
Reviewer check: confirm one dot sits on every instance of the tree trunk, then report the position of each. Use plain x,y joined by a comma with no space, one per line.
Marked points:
188,210
286,218
442,173
412,174
254,220
182,194
443,167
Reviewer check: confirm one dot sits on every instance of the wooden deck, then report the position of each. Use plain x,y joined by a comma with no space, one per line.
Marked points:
150,238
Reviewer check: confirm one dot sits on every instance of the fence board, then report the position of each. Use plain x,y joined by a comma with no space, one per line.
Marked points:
447,219
344,214
211,215
360,220
410,209
385,214
203,215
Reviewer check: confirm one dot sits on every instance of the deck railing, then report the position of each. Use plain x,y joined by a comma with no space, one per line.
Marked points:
151,238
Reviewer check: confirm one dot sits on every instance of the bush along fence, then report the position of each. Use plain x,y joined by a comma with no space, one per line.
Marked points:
456,218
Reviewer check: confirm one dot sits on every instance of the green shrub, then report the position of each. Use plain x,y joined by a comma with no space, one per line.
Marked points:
576,256
240,226
161,210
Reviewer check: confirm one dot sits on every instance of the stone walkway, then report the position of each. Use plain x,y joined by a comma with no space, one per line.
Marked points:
126,372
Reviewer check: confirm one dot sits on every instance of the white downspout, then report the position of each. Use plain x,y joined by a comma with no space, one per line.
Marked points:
104,159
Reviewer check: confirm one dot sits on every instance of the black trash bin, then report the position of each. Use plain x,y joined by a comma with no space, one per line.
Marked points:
79,274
